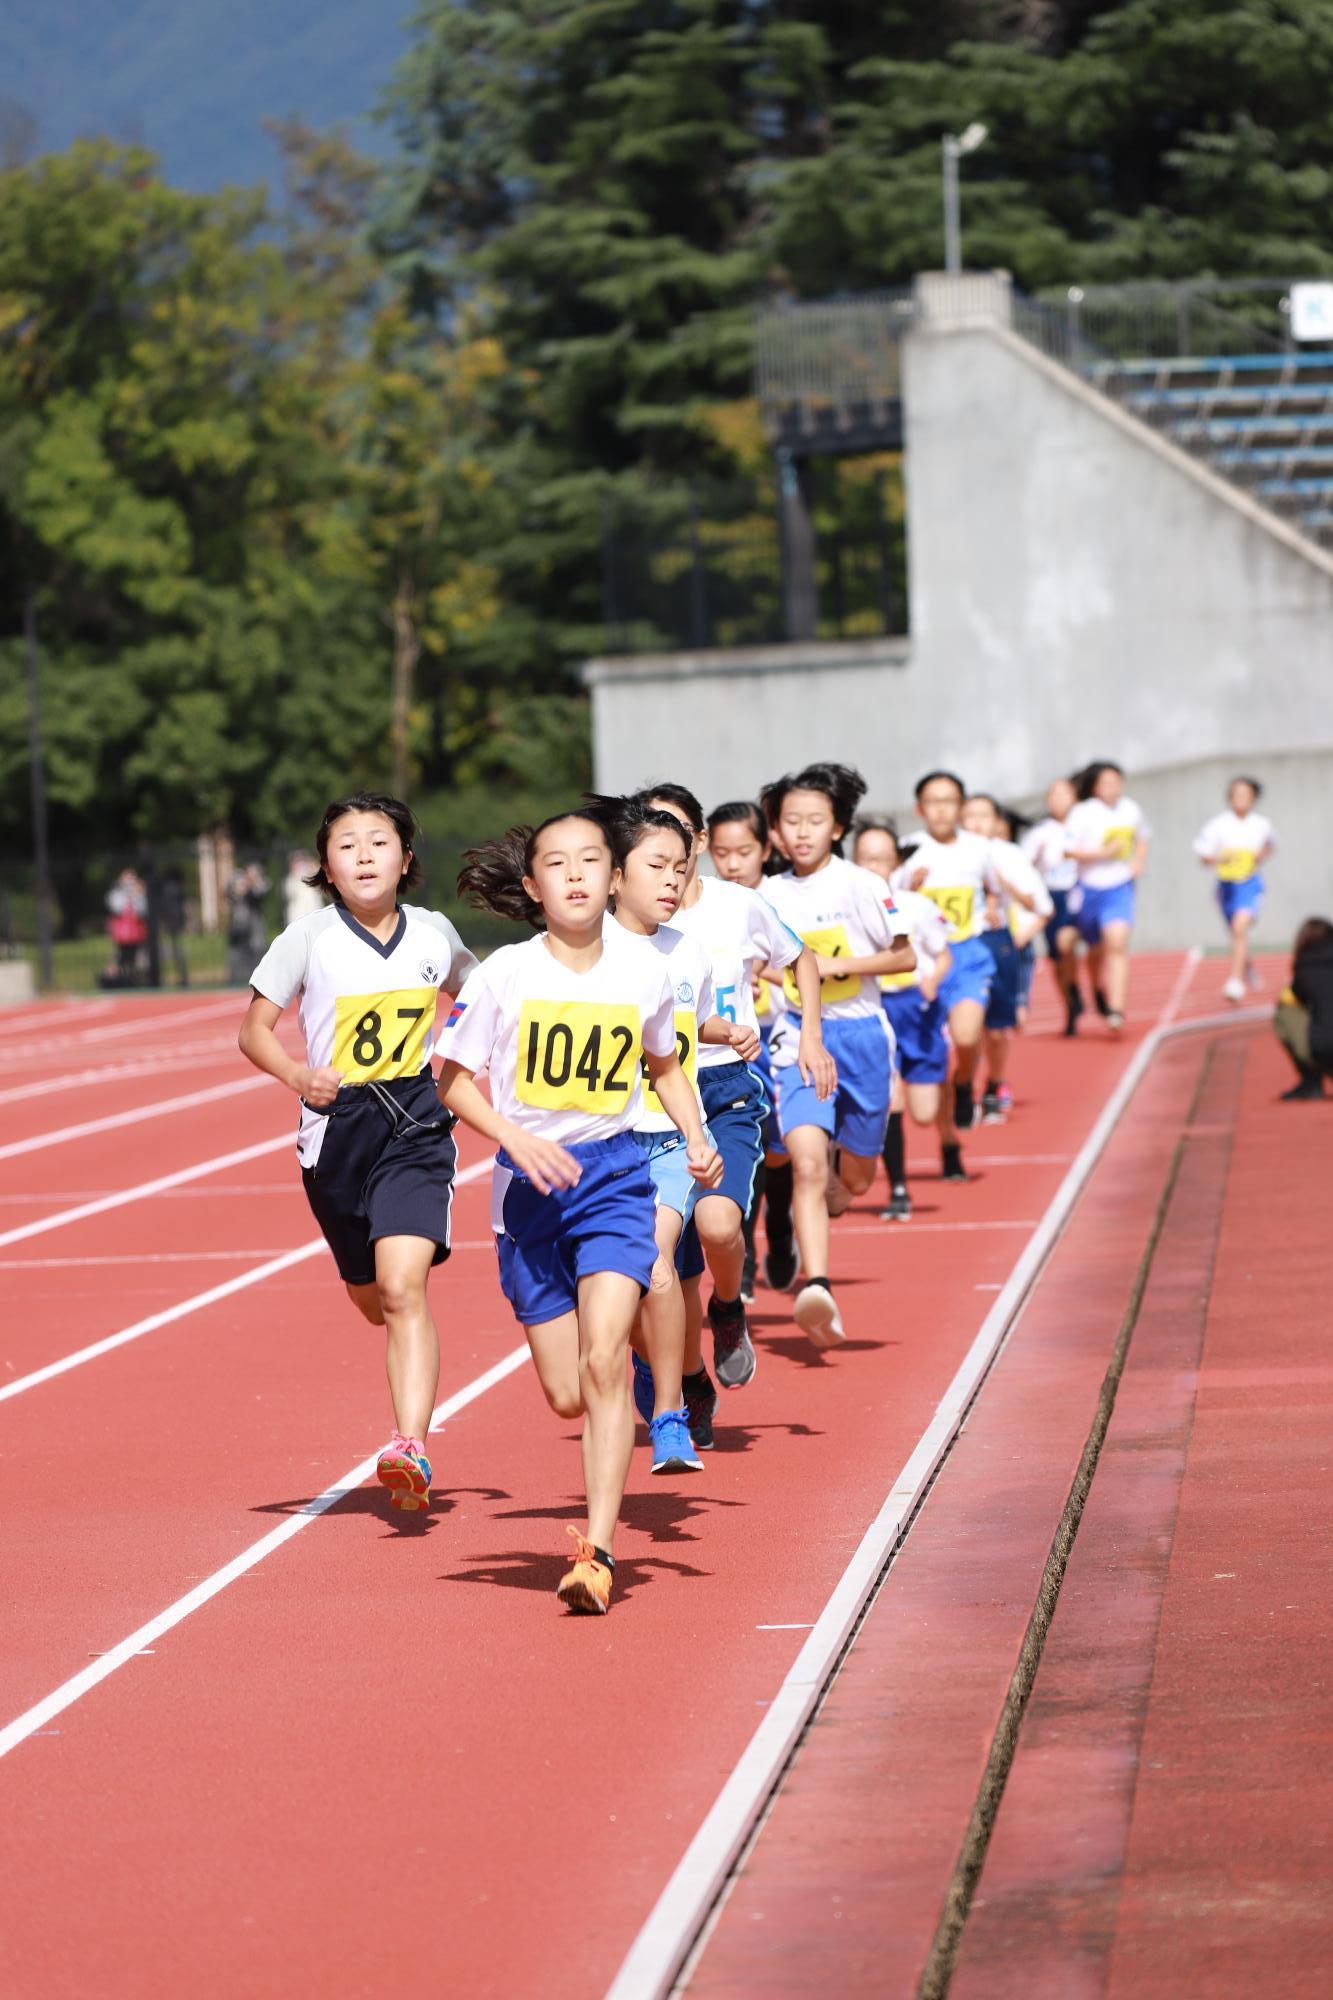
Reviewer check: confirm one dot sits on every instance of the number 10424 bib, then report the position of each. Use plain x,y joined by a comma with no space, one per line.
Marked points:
577,1055
377,1036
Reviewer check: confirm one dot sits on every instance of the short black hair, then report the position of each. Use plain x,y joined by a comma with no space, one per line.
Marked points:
1253,783
932,776
740,812
401,818
843,787
675,795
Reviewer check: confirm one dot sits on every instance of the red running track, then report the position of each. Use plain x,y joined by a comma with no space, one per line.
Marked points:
383,1753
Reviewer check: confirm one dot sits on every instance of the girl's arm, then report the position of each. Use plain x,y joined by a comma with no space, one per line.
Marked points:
682,1108
930,983
812,1058
744,1040
261,1046
546,1164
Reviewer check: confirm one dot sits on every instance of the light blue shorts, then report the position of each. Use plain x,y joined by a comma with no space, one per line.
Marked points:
857,1114
668,1163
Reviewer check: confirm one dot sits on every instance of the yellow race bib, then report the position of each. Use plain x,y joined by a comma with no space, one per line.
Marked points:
956,905
763,1001
1234,865
687,1036
830,943
894,982
577,1055
1118,843
377,1036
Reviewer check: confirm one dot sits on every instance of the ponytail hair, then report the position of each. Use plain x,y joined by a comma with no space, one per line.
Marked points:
491,877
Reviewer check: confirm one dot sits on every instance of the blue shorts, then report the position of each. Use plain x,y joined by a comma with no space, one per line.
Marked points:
668,1163
385,1168
550,1241
857,1114
1233,896
1062,919
1002,1006
1093,909
735,1106
970,975
763,1063
922,1052
1027,965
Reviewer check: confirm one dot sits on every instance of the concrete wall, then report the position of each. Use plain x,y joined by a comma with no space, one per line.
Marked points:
1079,588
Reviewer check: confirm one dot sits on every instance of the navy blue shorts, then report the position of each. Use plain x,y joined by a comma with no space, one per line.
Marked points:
1061,919
922,1051
735,1110
1003,1004
385,1168
550,1241
1234,896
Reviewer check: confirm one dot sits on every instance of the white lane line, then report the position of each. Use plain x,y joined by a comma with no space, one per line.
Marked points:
34,1719
146,1189
1175,998
225,1290
43,1013
184,1257
221,1048
146,1022
113,1122
673,1925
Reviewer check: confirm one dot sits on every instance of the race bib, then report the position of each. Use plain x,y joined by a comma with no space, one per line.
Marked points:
895,982
830,943
1234,865
1118,843
377,1036
577,1055
687,1036
763,1000
957,906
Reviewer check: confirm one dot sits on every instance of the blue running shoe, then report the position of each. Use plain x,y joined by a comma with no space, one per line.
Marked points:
673,1449
643,1390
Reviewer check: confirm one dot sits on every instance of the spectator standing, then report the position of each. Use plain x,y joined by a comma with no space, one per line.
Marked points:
247,932
1304,1017
127,923
300,897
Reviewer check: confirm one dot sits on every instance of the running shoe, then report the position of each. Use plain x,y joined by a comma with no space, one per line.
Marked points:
673,1448
700,1408
644,1401
899,1208
992,1111
781,1263
951,1164
1234,990
816,1313
404,1469
733,1349
1308,1087
1006,1097
587,1585
1114,1021
964,1107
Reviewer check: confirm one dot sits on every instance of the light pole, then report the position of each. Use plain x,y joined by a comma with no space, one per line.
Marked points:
954,148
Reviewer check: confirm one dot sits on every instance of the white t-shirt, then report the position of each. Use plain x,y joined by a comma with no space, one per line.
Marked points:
692,984
959,873
1044,846
563,1048
738,930
1233,844
928,929
367,1009
840,911
1016,871
1117,829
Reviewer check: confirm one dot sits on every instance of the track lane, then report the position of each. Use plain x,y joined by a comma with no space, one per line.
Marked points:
576,1760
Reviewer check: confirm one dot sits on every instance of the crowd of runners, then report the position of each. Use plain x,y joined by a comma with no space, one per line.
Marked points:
718,1028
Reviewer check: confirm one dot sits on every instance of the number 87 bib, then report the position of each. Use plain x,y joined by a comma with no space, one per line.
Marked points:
577,1055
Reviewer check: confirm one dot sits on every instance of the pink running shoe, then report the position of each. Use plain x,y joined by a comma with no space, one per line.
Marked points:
405,1469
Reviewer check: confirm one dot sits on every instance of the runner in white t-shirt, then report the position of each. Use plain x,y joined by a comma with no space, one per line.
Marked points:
848,918
1045,847
377,1158
1013,919
742,935
1107,835
913,1007
1235,844
566,1026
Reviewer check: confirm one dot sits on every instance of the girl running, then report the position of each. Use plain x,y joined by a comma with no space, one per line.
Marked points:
915,1012
1014,917
848,918
740,848
376,1154
1236,844
1108,836
741,934
1044,845
956,870
562,1023
646,887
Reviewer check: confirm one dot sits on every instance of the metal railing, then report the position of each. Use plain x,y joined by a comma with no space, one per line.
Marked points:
834,356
